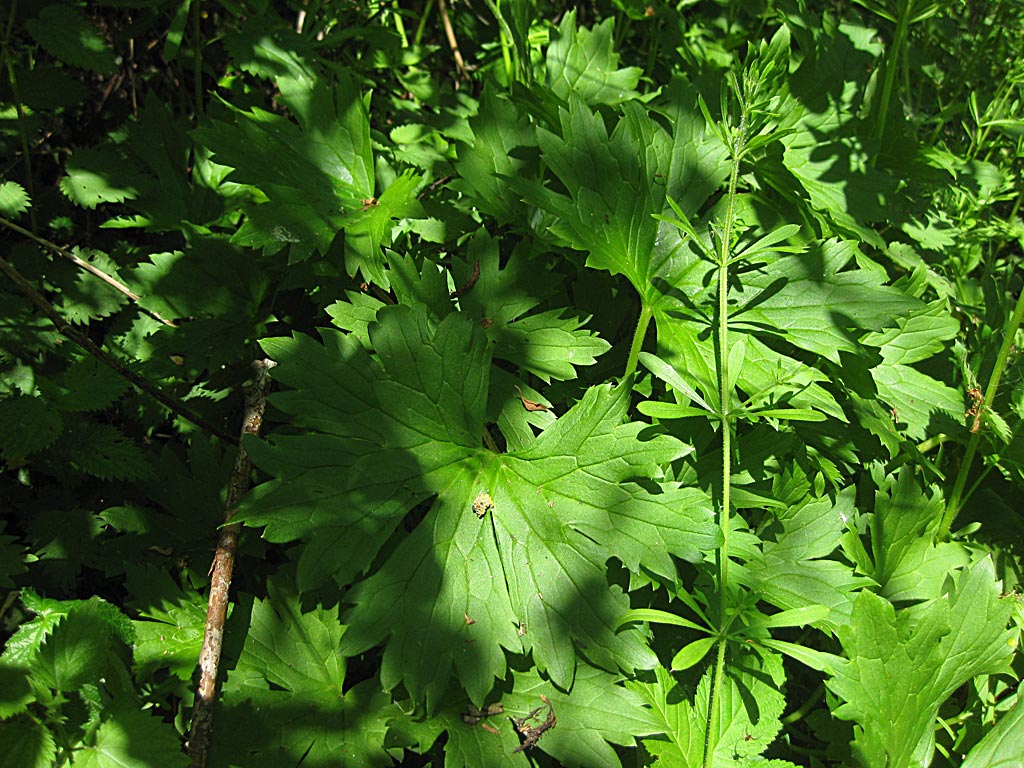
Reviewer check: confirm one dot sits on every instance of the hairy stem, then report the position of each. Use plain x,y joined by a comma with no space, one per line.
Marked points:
724,399
955,498
642,323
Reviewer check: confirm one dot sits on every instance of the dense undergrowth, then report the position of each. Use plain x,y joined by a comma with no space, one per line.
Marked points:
647,385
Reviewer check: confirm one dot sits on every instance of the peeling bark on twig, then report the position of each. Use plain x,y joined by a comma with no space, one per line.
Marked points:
222,569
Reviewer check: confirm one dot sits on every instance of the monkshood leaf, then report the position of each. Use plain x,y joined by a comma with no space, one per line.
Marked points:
512,551
583,62
813,301
901,666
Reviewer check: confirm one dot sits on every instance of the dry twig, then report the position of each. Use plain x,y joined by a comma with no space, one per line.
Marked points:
222,569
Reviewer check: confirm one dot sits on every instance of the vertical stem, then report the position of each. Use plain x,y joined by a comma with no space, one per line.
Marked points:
955,502
724,399
642,324
197,57
222,569
891,62
400,24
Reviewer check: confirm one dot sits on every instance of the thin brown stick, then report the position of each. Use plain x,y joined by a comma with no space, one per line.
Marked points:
114,283
222,570
449,32
106,358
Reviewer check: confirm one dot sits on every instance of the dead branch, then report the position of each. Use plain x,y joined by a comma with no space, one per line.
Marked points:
222,569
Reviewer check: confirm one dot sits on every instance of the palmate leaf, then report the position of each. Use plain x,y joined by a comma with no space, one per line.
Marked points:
814,301
546,344
498,131
132,739
612,192
752,703
902,666
511,553
790,570
597,711
583,62
316,174
286,701
908,564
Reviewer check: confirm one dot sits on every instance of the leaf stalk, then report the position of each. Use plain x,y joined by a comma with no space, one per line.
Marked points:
955,502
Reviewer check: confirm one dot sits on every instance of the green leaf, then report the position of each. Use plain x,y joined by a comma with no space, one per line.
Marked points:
499,130
67,35
752,701
171,633
132,739
595,711
24,741
692,654
87,298
40,425
316,175
25,642
612,192
15,692
656,616
214,279
531,561
902,666
103,451
545,344
582,62
87,645
1002,745
14,200
89,385
101,175
908,563
790,572
814,303
286,699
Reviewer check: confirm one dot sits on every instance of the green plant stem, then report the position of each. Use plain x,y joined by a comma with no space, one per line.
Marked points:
891,59
955,498
172,403
642,323
724,400
22,134
400,24
422,26
806,707
197,57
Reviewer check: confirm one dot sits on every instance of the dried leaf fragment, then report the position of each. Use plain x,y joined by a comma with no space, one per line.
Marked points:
474,715
531,733
530,405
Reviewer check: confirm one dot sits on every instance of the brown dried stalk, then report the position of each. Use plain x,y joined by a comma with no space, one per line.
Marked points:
114,283
222,569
